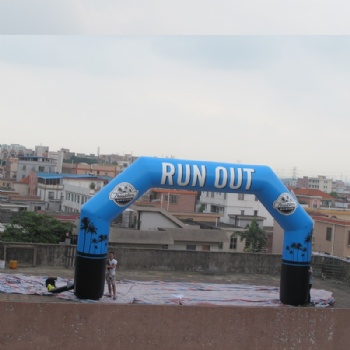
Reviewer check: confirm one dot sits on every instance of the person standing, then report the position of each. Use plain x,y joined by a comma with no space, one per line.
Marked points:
310,284
110,275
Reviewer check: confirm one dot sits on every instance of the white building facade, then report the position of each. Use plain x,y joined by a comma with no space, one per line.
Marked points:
235,207
78,191
67,192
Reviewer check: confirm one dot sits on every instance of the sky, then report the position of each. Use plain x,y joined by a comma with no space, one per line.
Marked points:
264,83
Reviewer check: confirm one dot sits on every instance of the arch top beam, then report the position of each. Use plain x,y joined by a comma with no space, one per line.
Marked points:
146,173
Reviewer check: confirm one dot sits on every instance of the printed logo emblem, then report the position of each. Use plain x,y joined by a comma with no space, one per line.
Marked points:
123,194
285,204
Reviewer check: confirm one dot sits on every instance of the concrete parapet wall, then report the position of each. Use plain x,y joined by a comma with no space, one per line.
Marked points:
148,259
34,254
106,326
212,262
161,260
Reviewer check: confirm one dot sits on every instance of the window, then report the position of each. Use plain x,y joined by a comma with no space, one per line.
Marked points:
241,196
233,242
173,199
255,213
329,234
348,237
215,209
153,196
51,195
190,247
41,169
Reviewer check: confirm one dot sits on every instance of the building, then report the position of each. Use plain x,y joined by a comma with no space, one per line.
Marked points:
58,157
313,198
157,228
318,183
14,202
20,187
91,169
237,209
65,192
173,201
331,236
79,189
27,164
148,219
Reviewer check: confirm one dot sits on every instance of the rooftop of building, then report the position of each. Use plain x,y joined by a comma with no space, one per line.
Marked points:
340,290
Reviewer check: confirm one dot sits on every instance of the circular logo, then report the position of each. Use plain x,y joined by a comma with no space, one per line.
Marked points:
123,194
285,204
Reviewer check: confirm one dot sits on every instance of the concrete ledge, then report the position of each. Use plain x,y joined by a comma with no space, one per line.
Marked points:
88,326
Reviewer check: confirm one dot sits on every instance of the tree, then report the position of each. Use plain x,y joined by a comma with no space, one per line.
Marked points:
36,228
255,237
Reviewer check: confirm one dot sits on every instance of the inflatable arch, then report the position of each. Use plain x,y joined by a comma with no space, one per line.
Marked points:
146,173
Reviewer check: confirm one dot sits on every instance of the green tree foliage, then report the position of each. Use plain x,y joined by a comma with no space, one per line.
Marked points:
77,160
255,237
36,228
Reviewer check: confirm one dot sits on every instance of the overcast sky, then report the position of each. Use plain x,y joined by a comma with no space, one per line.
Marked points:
277,97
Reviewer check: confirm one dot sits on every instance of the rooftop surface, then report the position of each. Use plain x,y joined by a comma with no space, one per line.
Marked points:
340,290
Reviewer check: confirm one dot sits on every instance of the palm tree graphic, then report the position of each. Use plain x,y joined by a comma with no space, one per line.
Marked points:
101,239
88,227
308,240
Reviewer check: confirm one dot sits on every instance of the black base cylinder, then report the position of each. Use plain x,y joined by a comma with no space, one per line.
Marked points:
294,285
89,277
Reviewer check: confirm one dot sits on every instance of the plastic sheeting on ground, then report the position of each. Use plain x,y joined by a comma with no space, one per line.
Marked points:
171,293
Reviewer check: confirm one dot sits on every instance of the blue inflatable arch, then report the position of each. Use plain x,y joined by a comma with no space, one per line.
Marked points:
147,173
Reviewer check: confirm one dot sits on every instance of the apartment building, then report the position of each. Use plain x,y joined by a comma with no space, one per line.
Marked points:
13,201
318,183
12,150
157,228
58,157
313,198
78,190
21,187
92,169
65,192
27,164
173,201
237,209
331,236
